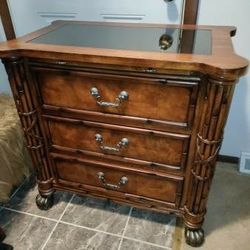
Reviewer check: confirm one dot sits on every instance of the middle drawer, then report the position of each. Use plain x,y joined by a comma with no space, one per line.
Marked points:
135,144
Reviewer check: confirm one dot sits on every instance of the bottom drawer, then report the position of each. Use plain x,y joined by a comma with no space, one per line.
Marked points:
159,187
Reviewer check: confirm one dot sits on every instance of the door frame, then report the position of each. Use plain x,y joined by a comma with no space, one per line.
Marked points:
190,11
6,20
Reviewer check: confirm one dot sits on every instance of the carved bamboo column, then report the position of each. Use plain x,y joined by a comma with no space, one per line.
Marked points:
208,141
24,94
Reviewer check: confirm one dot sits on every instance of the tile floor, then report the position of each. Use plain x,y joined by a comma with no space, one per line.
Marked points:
82,223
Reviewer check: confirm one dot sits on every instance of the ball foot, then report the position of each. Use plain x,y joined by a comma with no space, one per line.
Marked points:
44,202
194,237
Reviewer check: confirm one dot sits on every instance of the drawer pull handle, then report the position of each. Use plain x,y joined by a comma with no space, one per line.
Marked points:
122,182
121,97
122,143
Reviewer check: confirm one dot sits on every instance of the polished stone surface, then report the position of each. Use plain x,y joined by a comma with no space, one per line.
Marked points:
97,213
152,227
24,200
67,237
25,232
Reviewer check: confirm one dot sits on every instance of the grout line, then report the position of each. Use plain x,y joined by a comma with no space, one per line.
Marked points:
45,243
125,228
84,227
4,205
112,234
90,229
26,213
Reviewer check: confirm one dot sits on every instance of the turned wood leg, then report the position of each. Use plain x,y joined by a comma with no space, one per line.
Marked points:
194,237
44,202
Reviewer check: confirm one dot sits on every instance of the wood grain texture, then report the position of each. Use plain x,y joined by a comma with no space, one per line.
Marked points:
208,142
150,98
158,188
151,146
27,107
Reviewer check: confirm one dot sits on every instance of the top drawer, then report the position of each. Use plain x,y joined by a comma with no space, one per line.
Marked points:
159,99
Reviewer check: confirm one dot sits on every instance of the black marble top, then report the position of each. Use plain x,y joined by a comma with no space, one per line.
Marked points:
154,39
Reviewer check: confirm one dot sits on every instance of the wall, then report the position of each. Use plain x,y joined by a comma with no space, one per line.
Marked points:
28,15
228,12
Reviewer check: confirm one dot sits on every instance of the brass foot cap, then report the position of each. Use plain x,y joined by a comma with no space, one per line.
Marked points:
194,237
44,203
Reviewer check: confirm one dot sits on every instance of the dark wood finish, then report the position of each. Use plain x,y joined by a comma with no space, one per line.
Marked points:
156,187
208,141
170,159
6,20
191,11
140,90
154,147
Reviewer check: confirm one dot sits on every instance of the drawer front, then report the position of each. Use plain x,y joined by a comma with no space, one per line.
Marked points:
167,100
156,147
164,188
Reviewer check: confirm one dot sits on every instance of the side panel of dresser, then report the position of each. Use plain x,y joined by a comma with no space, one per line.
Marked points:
25,96
205,145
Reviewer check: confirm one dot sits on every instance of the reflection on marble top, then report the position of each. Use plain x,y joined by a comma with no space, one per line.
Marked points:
154,39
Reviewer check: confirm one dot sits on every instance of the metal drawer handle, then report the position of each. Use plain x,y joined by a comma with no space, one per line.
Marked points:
122,182
122,143
121,97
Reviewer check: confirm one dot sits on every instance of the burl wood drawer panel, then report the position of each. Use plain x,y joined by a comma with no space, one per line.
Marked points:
167,100
156,147
164,188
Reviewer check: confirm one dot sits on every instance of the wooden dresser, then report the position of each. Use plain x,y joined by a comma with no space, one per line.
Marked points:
129,112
